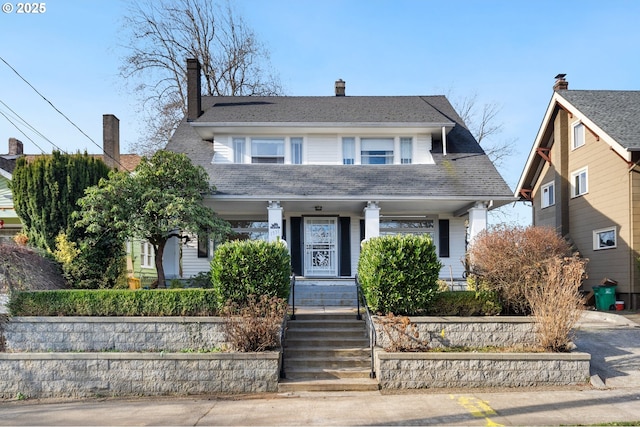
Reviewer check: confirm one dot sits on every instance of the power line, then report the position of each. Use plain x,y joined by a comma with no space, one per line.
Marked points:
16,115
61,113
20,130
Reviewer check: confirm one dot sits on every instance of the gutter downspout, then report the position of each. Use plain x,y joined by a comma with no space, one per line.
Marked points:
444,141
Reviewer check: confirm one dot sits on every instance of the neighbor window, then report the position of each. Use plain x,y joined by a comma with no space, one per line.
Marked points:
147,259
579,183
548,195
406,150
578,135
604,238
203,246
376,151
348,151
267,150
296,151
238,150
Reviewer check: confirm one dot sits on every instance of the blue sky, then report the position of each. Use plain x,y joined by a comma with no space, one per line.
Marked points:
506,52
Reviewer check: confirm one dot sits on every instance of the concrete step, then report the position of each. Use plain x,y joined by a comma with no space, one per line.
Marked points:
320,333
345,384
328,374
328,322
334,342
321,363
296,353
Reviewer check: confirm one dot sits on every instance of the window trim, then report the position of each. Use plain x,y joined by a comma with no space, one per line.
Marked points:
574,175
147,255
582,141
297,153
544,201
596,238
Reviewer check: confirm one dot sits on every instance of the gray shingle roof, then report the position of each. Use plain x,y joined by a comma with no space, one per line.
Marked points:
7,164
615,112
328,109
465,172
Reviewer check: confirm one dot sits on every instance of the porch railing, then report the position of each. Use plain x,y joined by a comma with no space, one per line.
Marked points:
283,326
371,330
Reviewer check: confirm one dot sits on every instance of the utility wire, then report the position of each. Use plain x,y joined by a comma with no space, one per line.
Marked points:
27,124
61,113
20,130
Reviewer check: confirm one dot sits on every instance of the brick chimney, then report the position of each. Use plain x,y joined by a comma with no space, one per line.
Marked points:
194,98
111,140
15,147
340,87
561,83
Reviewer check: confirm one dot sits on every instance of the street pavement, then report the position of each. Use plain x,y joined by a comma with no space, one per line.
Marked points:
612,339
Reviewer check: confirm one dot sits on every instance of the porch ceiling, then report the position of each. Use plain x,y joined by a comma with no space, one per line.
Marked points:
247,208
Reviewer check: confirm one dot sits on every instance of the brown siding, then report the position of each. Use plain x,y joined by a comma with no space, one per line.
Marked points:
605,205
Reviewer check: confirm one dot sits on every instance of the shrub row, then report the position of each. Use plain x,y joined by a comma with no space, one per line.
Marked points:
464,303
170,302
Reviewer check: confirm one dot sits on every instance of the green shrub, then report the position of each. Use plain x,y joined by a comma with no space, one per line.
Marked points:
250,267
172,302
464,303
399,274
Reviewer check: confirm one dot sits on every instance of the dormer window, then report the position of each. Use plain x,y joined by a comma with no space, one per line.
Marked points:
348,151
406,151
376,151
238,150
296,151
267,150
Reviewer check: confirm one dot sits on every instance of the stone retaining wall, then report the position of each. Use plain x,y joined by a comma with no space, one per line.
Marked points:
444,370
34,334
122,374
440,332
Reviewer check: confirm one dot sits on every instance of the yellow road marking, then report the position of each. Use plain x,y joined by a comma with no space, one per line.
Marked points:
477,408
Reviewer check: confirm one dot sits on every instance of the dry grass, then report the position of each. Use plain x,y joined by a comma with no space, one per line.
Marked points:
22,268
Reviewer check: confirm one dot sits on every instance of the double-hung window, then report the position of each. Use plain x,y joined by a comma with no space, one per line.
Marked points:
238,150
296,151
147,259
376,151
578,135
406,150
548,197
579,183
348,151
267,150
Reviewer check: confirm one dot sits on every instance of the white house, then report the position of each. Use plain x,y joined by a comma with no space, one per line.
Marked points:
325,173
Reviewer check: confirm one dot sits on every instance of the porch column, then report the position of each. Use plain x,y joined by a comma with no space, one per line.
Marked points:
477,220
371,220
275,221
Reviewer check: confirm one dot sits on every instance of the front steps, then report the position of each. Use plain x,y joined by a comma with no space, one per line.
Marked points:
327,351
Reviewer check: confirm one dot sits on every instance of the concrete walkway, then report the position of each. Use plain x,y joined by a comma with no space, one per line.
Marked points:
616,360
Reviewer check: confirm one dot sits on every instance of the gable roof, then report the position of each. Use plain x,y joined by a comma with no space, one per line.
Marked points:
613,115
616,112
7,165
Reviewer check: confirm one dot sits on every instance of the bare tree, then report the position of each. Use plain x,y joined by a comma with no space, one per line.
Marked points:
162,34
482,123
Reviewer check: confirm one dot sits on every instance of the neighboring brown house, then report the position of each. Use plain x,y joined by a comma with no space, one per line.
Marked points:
583,178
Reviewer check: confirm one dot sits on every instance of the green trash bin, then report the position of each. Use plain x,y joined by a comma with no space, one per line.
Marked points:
605,297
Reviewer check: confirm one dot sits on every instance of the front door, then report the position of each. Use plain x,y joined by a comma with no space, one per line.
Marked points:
321,247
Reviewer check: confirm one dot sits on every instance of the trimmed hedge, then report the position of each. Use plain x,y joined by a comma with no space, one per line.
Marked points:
464,303
399,273
114,302
250,267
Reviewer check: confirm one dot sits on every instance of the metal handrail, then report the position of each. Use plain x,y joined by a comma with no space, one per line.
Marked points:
283,327
371,330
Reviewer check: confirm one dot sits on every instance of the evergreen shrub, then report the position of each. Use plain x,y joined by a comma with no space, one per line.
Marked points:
464,303
250,267
399,274
114,302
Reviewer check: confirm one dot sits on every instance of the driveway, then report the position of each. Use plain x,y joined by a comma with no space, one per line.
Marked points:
613,340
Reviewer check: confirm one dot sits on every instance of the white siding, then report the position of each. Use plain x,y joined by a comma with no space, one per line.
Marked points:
453,266
422,150
191,264
323,150
223,152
